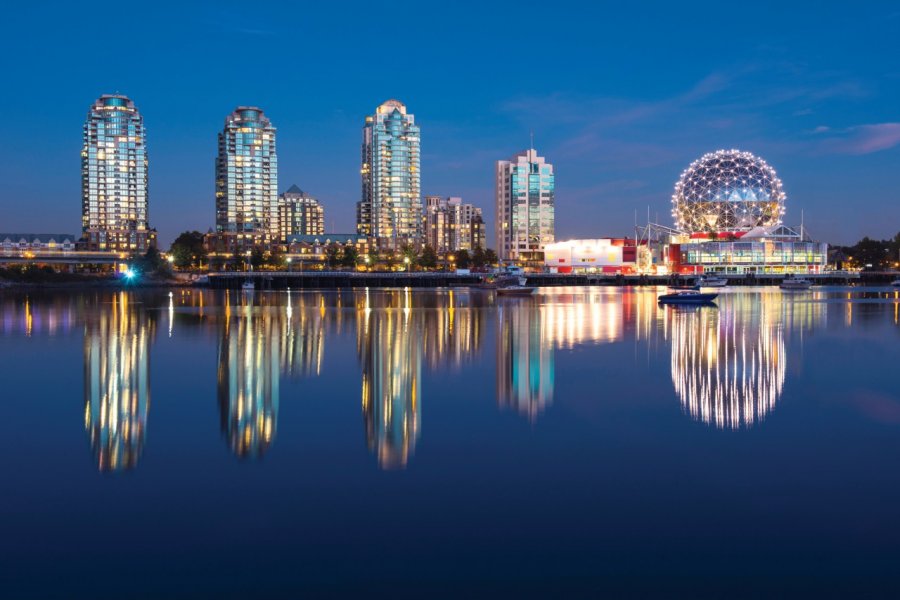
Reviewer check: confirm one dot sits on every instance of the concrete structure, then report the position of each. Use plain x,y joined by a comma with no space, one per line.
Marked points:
114,204
299,214
524,208
451,225
390,209
247,179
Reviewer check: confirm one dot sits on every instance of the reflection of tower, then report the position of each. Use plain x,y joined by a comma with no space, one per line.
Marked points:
116,383
249,357
728,365
452,330
303,336
525,367
390,349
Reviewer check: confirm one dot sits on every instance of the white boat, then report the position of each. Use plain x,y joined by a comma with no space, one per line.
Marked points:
796,283
687,297
248,286
896,283
521,289
712,281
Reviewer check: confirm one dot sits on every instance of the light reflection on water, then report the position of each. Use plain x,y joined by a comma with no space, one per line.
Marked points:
728,363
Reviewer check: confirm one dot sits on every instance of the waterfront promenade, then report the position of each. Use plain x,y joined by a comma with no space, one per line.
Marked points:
348,279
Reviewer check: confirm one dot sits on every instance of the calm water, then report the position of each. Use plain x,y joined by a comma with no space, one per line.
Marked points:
583,441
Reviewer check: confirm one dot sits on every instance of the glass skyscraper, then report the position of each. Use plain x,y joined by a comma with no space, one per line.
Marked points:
247,177
114,212
525,207
391,206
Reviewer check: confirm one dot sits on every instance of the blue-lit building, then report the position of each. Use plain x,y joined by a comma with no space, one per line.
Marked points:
390,209
247,178
114,205
524,223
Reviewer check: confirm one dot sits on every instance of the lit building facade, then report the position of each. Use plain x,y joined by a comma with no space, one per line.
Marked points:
451,225
299,214
114,205
524,222
728,207
390,209
247,178
603,255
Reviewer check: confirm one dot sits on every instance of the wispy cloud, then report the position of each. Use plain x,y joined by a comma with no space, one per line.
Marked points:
861,139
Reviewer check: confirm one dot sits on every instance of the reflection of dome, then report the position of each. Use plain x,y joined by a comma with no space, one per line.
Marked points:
725,191
727,371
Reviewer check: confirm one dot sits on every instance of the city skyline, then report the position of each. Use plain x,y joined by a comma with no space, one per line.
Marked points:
621,131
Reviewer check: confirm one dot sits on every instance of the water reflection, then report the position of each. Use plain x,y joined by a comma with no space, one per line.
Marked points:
728,365
525,361
728,372
116,382
249,356
390,348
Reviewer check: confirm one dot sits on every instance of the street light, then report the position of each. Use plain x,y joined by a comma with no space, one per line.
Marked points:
406,260
452,259
366,258
289,259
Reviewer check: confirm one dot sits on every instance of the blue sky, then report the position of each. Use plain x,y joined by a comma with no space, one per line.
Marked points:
620,98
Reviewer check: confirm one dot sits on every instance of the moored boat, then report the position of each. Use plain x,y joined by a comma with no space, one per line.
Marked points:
516,290
248,286
896,283
796,283
712,281
687,297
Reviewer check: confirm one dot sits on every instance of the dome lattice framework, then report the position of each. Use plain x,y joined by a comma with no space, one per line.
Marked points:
727,190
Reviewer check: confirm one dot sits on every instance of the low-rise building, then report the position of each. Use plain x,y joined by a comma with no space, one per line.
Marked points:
36,242
451,225
300,214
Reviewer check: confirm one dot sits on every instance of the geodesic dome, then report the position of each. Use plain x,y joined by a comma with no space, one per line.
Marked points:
727,190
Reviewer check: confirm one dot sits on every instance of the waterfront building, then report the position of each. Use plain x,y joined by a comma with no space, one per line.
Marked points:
451,225
390,209
36,242
603,255
524,222
114,204
247,179
728,208
299,214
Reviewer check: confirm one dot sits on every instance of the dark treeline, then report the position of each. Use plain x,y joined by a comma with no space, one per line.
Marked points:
880,254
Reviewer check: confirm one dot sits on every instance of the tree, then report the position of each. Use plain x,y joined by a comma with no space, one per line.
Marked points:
462,259
478,258
275,259
150,263
490,257
257,258
188,249
871,252
333,255
408,256
350,257
429,257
